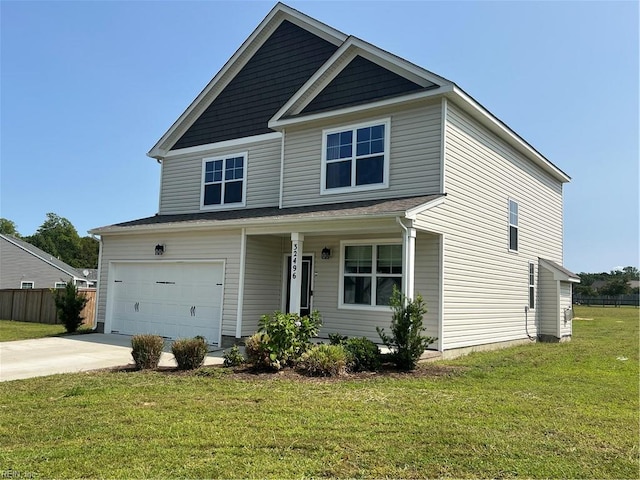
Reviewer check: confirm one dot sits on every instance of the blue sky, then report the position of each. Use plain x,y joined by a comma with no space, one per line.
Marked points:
87,88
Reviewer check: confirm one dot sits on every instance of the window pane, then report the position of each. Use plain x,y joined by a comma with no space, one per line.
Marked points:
339,174
357,259
212,194
370,140
513,238
389,259
384,289
532,301
233,192
357,290
339,145
369,171
513,213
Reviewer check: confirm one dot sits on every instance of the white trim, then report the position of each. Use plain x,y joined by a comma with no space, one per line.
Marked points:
441,245
24,282
443,145
529,285
285,279
241,276
509,225
412,213
224,158
98,286
386,122
160,189
557,274
373,243
211,147
280,198
58,285
558,310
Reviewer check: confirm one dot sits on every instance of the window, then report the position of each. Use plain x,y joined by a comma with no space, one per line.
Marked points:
513,226
356,157
370,273
224,181
532,288
60,285
27,285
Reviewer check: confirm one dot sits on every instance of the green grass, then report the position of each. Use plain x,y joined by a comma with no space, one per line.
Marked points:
11,330
537,411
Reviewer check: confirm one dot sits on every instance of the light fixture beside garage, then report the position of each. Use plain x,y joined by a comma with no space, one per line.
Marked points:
160,249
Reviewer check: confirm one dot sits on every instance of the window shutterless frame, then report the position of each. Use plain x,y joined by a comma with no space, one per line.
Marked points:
532,285
26,284
224,181
514,215
355,157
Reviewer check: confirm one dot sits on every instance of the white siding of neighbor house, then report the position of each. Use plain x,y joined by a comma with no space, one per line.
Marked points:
179,246
414,163
548,304
262,280
485,285
181,181
565,304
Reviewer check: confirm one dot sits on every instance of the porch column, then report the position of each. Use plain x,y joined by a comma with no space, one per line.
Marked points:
297,242
410,261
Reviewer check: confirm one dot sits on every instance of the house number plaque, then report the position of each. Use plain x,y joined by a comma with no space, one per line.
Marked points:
294,260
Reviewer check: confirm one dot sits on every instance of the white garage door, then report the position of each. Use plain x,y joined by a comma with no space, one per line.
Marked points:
171,299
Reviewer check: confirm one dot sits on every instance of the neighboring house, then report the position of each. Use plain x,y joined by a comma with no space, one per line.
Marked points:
317,171
90,275
23,265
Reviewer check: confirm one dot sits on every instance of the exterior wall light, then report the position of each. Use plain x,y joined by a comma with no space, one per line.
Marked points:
159,249
326,253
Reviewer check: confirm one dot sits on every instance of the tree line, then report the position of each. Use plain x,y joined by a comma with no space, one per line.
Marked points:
58,237
616,282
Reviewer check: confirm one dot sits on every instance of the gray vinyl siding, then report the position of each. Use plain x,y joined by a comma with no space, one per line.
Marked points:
414,167
548,307
179,246
427,280
485,285
181,181
16,266
262,281
565,304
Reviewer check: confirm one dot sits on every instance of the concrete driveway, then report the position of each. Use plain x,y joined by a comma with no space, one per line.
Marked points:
76,353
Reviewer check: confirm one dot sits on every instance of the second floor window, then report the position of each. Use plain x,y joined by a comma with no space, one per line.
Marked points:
224,181
513,226
355,158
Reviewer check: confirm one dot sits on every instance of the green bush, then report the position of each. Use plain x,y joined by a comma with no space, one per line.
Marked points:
69,305
324,361
363,355
256,350
286,337
233,357
146,351
406,341
190,352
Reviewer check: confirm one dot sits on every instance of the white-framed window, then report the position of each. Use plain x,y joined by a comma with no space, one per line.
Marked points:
513,225
60,285
356,157
369,271
532,285
27,284
224,181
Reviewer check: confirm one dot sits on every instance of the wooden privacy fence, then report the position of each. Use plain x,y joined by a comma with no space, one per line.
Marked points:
36,305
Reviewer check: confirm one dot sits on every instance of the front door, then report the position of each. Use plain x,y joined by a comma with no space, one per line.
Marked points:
306,285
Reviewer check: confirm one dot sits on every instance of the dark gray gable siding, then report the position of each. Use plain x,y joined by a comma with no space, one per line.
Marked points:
359,82
275,72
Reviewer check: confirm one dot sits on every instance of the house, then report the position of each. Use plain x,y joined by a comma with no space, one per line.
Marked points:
317,171
23,265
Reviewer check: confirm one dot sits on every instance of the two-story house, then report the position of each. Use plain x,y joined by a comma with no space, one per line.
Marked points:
317,171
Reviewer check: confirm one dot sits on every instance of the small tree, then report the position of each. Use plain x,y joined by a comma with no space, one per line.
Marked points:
69,305
406,341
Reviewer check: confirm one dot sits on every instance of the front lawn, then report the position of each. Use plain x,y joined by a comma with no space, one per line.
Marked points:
11,330
536,411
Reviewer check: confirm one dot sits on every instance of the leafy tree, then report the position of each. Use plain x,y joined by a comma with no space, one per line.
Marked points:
87,256
618,286
8,227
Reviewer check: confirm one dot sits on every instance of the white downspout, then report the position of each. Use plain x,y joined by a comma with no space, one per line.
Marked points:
281,170
408,271
243,254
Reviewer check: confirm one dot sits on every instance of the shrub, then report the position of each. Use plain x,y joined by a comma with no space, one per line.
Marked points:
256,350
190,352
406,341
324,361
146,351
233,357
287,336
363,355
69,305
337,339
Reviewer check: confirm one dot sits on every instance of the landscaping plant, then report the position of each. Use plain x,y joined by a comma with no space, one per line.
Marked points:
190,352
146,351
69,305
406,341
233,357
324,361
286,336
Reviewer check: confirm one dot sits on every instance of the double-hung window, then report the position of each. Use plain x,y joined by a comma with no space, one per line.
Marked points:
532,287
356,157
369,273
513,225
224,181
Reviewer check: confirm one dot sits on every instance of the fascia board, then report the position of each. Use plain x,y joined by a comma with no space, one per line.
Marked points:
557,274
470,105
235,143
274,18
412,213
410,98
57,267
352,47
